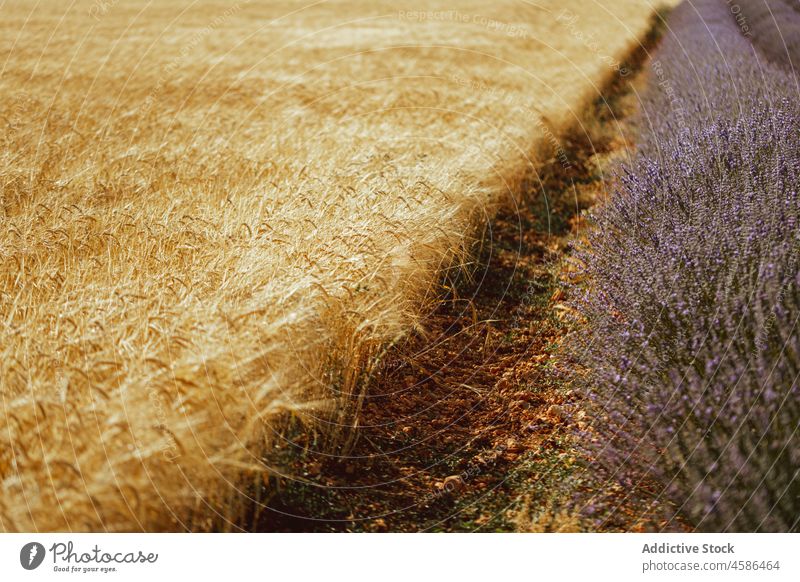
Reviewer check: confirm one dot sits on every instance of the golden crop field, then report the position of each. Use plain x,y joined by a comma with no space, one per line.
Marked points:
217,215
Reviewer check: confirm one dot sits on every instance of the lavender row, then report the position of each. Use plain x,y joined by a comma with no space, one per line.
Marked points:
694,338
773,26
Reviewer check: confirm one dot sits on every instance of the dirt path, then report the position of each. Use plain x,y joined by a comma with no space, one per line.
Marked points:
467,428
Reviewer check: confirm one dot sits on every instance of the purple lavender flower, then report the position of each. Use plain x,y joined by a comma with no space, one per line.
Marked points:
694,308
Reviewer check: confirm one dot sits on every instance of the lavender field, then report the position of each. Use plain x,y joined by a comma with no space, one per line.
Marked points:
774,27
694,339
361,266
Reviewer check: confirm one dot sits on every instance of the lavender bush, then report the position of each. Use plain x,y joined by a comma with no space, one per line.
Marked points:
773,26
694,341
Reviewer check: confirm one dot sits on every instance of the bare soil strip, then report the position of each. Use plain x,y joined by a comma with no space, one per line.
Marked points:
468,427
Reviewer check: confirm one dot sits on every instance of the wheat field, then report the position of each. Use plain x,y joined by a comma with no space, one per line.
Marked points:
217,216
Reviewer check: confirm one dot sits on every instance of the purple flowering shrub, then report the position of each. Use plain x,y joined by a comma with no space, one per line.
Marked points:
705,71
693,306
774,28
